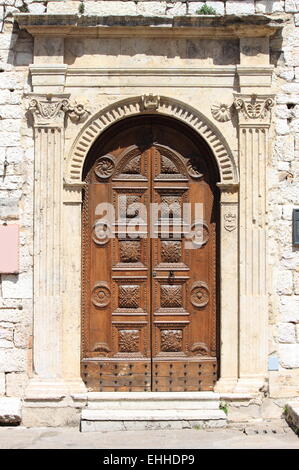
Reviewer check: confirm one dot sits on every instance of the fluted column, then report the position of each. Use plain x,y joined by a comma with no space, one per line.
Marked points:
254,121
48,112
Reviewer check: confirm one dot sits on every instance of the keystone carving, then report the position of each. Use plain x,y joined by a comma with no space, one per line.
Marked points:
150,102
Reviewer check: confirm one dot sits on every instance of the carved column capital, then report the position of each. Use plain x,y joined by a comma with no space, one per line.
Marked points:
254,110
49,110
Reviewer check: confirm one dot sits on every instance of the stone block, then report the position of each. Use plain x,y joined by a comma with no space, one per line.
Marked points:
176,9
296,283
289,355
64,7
16,383
287,212
10,111
11,80
240,7
21,336
297,333
289,308
36,8
10,411
287,73
292,416
268,6
9,208
17,286
217,5
292,6
2,384
282,127
283,383
286,333
50,416
151,8
13,360
112,7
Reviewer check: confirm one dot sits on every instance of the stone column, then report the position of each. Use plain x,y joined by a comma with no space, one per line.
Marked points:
254,121
229,288
48,113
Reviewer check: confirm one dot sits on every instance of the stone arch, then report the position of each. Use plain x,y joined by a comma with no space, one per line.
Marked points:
149,104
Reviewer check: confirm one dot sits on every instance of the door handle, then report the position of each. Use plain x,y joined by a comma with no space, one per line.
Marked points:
171,276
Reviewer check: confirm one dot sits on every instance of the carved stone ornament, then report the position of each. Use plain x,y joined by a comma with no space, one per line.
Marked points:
101,348
221,112
48,110
150,102
104,167
254,107
200,294
77,112
101,294
230,221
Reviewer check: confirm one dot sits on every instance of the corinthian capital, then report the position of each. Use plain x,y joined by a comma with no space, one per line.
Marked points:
254,110
48,110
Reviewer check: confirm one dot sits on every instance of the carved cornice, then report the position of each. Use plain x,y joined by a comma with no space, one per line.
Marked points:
49,110
254,110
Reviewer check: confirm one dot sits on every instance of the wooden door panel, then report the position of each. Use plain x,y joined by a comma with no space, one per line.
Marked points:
149,298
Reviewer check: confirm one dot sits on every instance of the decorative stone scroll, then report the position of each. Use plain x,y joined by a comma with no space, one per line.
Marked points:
254,108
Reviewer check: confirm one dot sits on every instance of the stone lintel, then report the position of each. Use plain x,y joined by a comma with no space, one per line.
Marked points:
200,26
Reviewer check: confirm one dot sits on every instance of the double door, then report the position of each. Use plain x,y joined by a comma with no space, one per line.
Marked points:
149,266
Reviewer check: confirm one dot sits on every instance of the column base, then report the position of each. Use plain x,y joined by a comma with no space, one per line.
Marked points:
54,388
225,384
253,385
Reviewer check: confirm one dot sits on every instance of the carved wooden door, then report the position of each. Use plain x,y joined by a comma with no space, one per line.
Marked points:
149,268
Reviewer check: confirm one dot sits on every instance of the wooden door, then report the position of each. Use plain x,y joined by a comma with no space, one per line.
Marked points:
149,291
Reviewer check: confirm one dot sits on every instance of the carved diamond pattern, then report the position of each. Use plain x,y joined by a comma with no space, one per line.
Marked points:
170,207
128,341
171,340
167,166
133,166
129,296
171,251
171,296
129,251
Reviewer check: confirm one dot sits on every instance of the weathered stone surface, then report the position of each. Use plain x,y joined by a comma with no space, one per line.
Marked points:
51,416
289,355
10,411
17,286
2,384
286,333
292,5
290,308
112,7
151,8
269,6
240,7
36,8
64,7
292,416
13,360
9,208
16,383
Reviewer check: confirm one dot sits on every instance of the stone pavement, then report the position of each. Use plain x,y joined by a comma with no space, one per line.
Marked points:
71,438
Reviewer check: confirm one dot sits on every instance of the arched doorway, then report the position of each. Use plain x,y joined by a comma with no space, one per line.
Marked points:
149,299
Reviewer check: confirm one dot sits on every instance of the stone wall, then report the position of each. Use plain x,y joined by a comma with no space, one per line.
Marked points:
16,177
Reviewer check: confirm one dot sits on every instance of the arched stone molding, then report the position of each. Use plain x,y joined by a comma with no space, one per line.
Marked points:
143,105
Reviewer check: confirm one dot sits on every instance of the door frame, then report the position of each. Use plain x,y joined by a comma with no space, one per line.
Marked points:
228,185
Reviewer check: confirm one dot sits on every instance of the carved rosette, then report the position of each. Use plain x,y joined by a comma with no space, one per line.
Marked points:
200,294
129,296
171,296
130,251
104,167
255,109
101,295
221,112
171,251
171,340
128,341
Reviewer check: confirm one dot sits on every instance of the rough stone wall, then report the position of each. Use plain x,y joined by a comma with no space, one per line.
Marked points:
16,176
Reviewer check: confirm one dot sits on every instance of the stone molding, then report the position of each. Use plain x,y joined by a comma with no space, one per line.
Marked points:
164,106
